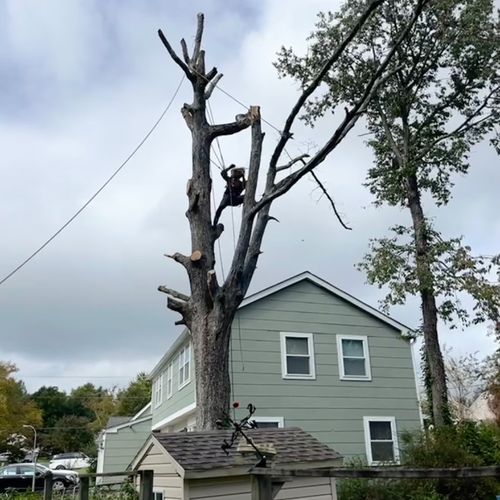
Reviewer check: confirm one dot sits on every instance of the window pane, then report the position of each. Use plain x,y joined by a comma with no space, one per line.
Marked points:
297,365
352,348
296,345
380,430
383,451
354,367
267,425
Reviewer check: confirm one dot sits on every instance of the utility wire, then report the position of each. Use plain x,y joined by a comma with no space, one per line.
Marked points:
92,198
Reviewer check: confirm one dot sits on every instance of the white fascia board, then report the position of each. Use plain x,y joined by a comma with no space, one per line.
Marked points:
175,416
306,275
170,353
130,423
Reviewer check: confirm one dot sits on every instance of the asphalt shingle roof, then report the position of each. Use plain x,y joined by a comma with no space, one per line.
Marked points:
202,450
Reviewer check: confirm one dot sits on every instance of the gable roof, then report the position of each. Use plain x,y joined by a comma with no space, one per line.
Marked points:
304,276
197,452
308,276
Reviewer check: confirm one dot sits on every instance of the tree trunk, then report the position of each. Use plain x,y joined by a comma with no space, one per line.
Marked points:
213,386
434,357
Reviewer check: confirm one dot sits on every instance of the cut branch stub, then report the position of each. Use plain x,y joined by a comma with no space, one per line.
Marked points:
196,256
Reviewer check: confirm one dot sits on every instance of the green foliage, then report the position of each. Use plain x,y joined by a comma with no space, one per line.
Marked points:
443,96
16,410
71,433
135,396
127,491
451,271
468,444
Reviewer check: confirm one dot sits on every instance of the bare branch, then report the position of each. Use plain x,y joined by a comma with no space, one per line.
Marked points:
185,53
177,305
197,39
211,74
173,293
175,57
242,122
379,77
285,135
211,86
332,203
234,280
292,162
180,258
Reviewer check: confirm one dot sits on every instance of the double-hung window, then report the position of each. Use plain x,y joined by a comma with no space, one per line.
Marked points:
354,358
184,365
381,440
158,390
297,355
170,382
269,422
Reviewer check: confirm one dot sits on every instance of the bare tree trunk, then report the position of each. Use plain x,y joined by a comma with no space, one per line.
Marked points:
433,354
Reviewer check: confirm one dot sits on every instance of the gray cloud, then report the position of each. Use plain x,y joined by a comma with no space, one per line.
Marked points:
84,81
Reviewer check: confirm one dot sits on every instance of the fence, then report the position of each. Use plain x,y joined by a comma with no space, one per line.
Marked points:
145,483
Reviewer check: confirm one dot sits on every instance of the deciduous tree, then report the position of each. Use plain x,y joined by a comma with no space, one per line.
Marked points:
16,408
441,97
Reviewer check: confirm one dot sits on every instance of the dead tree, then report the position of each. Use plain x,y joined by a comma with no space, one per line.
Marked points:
210,308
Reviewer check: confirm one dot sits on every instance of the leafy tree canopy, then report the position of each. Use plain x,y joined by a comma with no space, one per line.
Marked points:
135,396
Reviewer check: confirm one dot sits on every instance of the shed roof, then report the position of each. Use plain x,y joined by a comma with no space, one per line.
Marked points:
201,451
117,420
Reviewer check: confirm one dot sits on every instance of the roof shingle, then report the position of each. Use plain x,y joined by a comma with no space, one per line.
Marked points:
202,450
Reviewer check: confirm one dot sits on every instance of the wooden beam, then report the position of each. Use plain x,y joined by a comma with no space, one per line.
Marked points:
386,472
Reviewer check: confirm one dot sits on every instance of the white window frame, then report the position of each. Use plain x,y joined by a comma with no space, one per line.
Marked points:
366,352
170,380
280,420
158,391
368,440
184,360
312,362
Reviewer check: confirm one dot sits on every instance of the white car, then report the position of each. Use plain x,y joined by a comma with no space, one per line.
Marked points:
70,461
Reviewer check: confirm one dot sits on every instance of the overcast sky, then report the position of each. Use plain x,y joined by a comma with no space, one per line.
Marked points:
80,85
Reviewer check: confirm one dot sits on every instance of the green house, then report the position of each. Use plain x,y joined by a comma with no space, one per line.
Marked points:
307,354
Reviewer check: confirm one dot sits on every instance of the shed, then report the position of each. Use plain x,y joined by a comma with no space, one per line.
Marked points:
192,465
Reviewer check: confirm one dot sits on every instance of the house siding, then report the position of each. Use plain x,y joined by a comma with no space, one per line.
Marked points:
228,488
329,408
181,398
165,479
121,447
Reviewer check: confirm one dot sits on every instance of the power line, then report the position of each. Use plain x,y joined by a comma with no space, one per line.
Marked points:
91,199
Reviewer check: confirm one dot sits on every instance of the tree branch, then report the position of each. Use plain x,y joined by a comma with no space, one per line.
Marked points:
241,123
185,53
181,259
211,86
177,305
274,191
332,203
390,137
235,282
173,293
175,57
292,162
285,135
197,39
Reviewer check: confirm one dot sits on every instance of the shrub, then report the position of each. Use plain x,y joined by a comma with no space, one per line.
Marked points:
467,444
